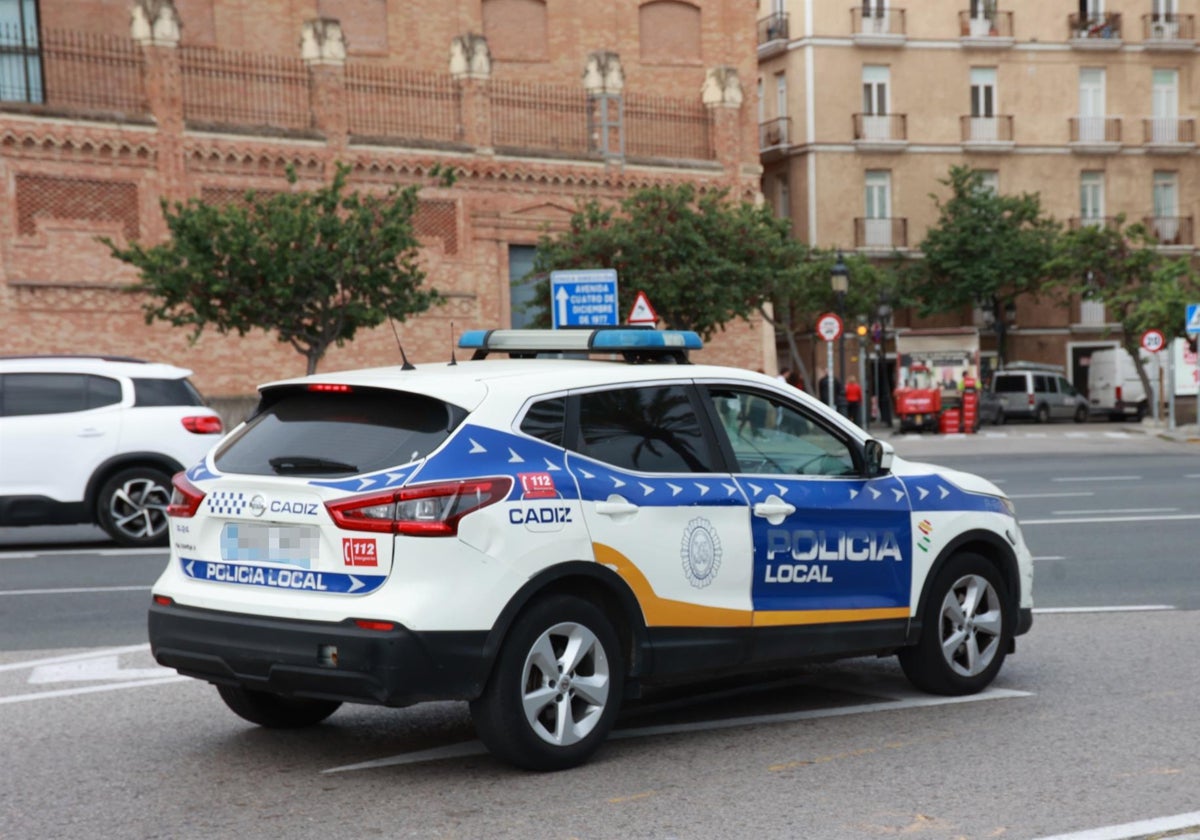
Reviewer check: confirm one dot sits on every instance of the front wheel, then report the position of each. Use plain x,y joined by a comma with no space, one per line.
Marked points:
274,711
966,628
1042,415
1081,414
556,687
132,507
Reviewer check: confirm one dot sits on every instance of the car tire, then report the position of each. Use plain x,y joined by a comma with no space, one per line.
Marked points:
1000,418
524,716
132,507
1081,414
1042,415
275,711
966,629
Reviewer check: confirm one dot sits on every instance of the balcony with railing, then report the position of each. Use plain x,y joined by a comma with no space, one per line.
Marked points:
1094,135
1169,135
774,134
1100,31
880,234
989,31
1169,32
875,27
880,132
1080,222
773,28
987,134
1170,231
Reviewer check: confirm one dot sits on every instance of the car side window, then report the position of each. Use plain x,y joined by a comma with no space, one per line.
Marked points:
1041,383
769,435
648,429
1067,388
102,391
544,420
44,393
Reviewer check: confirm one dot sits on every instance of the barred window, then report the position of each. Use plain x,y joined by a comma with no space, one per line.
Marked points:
20,52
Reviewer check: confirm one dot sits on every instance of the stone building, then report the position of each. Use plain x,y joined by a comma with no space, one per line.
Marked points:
108,108
865,104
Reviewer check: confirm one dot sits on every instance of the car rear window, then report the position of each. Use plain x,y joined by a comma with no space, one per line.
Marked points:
151,392
1010,384
299,432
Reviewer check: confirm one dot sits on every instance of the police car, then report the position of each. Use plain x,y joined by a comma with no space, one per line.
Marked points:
545,537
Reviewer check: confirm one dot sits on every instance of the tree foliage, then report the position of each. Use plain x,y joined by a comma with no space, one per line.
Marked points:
985,250
1141,288
312,266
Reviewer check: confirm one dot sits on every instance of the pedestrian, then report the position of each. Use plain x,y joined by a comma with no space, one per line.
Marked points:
824,385
853,399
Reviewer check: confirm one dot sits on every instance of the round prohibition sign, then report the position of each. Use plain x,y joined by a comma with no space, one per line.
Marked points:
1153,341
829,327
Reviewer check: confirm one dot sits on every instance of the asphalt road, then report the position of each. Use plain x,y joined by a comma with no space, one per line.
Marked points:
1092,723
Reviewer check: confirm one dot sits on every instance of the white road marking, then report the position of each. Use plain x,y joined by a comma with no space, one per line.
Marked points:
1098,478
1122,510
75,590
91,552
1145,828
903,700
74,657
101,664
1048,495
90,689
1049,557
1086,520
1130,608
94,670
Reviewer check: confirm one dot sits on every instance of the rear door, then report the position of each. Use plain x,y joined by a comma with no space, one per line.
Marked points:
659,507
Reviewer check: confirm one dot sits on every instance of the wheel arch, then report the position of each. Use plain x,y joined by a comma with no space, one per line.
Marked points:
590,581
126,460
992,547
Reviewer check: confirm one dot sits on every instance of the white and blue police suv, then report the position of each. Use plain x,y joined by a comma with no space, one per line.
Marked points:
544,537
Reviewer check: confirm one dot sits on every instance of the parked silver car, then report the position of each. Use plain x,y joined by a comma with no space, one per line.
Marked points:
1037,392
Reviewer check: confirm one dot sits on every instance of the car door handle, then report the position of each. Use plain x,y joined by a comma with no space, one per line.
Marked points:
774,510
91,432
616,508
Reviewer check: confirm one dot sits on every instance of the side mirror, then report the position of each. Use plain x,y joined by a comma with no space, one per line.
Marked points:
879,456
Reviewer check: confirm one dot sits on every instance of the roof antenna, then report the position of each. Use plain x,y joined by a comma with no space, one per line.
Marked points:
407,365
453,361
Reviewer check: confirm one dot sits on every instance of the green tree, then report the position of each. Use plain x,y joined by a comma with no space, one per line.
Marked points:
1140,287
985,250
312,266
702,259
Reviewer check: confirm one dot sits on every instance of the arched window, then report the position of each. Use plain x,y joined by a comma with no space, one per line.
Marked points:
515,29
669,31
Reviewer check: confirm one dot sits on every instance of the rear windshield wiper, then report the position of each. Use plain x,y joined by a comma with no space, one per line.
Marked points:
305,464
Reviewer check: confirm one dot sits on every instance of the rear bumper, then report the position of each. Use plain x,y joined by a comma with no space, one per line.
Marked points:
292,658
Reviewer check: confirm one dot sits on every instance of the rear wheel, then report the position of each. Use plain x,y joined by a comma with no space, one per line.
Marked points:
1000,418
966,628
1042,415
274,711
132,506
556,687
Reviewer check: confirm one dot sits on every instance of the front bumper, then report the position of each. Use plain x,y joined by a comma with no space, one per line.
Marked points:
292,658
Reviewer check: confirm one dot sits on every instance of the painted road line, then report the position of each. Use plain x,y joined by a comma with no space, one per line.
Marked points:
1049,557
1099,478
88,552
1087,520
1146,828
77,590
1121,510
905,701
90,689
74,657
1130,608
1049,495
1117,435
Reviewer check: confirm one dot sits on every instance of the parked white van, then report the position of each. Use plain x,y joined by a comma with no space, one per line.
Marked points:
1114,387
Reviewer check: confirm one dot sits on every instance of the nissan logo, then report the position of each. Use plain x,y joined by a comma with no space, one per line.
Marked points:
258,505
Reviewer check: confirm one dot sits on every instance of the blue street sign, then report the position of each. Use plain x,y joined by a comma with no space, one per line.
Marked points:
584,298
1192,322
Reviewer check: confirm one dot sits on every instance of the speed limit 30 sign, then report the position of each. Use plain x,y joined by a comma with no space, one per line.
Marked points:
829,326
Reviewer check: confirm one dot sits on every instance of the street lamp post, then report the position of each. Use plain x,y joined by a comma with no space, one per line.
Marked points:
839,278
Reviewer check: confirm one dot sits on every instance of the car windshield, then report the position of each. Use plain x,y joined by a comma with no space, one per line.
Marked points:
297,432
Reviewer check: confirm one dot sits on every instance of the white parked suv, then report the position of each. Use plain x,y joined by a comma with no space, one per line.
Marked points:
544,537
97,439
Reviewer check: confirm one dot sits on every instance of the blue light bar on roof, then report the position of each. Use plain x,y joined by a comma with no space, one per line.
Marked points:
580,341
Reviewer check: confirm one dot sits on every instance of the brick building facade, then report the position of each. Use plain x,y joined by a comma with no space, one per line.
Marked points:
109,108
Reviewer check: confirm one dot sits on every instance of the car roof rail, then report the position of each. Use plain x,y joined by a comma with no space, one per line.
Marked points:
637,345
1037,366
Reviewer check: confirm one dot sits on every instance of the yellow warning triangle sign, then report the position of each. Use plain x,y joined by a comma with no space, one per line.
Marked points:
642,312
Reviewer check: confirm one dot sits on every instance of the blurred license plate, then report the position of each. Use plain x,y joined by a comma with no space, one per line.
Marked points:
247,542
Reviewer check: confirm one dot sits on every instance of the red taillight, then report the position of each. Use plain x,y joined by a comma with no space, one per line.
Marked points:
370,624
164,601
203,424
329,388
426,510
1118,393
185,498
1032,399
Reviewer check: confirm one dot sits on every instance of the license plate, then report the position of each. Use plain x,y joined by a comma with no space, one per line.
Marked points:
248,542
